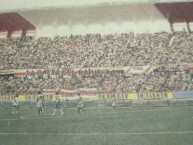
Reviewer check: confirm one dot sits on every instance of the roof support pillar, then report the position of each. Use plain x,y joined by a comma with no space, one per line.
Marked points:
171,27
188,27
23,33
9,33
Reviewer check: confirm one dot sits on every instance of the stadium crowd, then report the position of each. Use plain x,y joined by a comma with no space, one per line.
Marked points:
95,50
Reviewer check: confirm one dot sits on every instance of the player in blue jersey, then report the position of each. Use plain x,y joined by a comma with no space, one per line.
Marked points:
58,105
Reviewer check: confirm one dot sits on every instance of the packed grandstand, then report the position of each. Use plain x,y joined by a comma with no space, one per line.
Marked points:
96,72
125,62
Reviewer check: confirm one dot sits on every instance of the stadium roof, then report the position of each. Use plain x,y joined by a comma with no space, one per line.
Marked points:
14,22
22,5
176,12
81,18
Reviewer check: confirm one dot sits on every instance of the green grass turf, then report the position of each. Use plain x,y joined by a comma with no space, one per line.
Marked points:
99,126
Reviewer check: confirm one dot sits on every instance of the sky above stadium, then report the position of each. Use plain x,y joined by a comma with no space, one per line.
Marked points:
20,5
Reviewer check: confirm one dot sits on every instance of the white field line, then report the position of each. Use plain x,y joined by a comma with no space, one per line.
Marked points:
89,114
98,133
9,119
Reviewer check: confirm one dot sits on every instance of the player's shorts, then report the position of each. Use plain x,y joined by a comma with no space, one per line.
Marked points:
79,105
39,104
40,108
113,104
15,106
57,107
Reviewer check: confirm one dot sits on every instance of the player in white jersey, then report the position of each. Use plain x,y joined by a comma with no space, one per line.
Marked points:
58,105
39,101
15,103
114,102
80,104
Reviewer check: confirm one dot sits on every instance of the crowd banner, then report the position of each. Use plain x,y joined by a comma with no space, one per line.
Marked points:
49,94
155,95
86,93
49,91
55,72
67,73
183,95
68,93
20,73
89,93
139,69
6,72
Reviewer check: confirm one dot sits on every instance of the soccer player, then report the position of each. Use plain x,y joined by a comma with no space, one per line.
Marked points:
80,104
113,102
39,101
58,105
15,103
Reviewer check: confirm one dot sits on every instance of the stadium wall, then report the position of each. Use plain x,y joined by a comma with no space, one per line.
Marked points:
156,99
101,96
143,96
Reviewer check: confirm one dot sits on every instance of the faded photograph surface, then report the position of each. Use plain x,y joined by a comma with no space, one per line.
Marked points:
96,72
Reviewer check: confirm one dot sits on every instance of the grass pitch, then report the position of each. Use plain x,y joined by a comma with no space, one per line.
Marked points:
99,126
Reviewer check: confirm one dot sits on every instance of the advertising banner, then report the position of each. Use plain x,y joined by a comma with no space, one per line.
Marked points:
110,96
5,98
155,95
30,98
183,95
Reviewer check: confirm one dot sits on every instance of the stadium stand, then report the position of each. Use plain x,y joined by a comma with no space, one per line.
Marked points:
94,51
128,64
125,62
